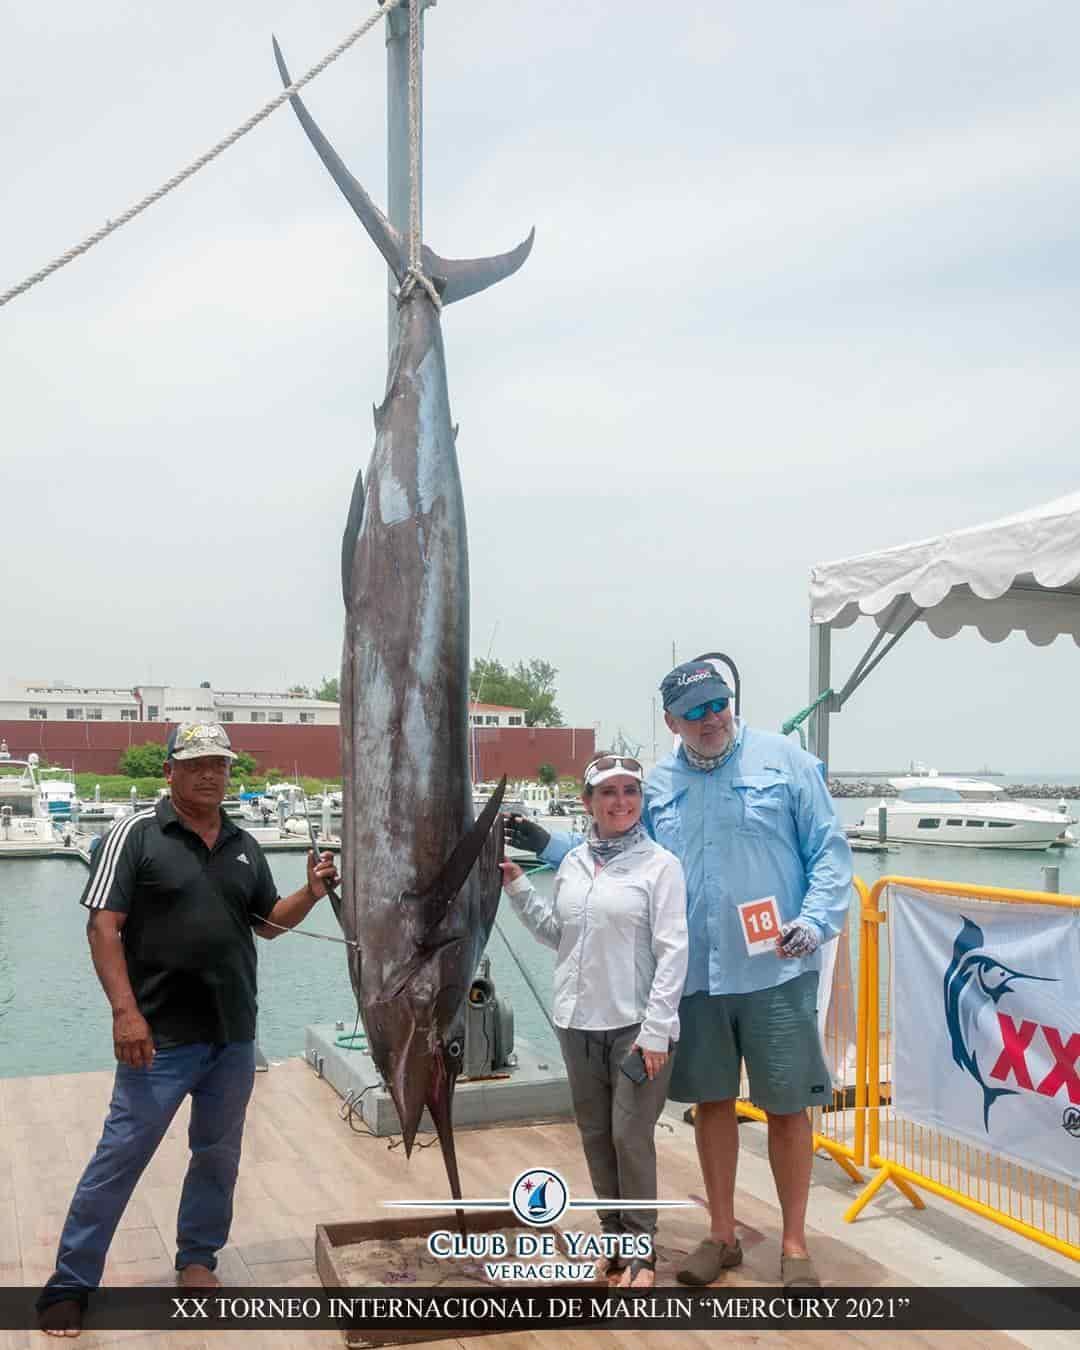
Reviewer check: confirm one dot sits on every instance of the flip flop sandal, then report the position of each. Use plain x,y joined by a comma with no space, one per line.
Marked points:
608,1266
637,1265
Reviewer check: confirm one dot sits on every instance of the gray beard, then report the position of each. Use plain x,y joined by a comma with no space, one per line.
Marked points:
707,763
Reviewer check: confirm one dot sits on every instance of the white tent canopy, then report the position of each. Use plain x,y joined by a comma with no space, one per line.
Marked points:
1021,573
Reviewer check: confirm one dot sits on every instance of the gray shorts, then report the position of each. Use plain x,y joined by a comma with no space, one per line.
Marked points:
774,1030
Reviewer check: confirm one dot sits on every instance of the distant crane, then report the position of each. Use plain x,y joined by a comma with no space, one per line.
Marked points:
622,745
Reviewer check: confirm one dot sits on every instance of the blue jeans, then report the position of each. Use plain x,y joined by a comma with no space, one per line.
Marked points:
144,1102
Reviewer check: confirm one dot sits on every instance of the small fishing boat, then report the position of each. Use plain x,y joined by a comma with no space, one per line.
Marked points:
58,795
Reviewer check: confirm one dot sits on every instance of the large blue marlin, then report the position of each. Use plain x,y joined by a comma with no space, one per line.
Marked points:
974,981
420,878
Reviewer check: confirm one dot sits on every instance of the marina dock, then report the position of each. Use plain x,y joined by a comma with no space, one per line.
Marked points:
270,840
303,1165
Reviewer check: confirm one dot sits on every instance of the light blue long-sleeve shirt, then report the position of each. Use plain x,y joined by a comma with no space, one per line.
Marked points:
761,824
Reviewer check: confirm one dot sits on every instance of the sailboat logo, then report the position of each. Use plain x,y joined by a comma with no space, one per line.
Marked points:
539,1196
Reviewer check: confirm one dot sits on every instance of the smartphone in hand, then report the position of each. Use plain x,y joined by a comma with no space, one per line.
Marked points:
634,1067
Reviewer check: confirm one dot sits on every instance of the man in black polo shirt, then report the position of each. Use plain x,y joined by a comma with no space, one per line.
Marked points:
174,896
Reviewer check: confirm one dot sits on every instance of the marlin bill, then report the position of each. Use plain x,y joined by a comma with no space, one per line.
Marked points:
421,882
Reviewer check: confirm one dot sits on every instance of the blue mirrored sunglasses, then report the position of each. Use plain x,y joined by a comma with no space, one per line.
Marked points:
716,705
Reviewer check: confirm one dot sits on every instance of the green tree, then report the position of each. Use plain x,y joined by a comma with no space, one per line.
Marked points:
244,766
328,692
147,761
547,775
300,689
143,761
529,685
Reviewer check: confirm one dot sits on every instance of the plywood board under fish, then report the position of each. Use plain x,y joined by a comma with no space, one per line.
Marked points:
393,1254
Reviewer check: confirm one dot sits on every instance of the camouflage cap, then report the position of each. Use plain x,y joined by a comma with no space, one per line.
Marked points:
199,740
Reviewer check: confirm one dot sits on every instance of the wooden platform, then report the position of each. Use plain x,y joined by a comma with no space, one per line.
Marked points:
302,1166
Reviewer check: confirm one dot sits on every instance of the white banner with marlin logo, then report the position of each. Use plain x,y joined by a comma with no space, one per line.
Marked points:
986,1025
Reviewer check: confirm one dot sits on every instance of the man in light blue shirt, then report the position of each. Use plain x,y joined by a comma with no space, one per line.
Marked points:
749,816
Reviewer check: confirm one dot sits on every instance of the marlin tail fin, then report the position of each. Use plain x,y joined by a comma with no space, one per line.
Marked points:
454,279
990,1096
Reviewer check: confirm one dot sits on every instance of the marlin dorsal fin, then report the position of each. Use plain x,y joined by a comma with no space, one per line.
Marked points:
439,896
453,278
352,530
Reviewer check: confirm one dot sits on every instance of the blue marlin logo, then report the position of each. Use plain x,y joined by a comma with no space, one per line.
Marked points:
973,982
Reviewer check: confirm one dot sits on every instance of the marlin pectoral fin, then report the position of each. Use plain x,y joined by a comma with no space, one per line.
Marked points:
438,897
352,531
386,239
457,278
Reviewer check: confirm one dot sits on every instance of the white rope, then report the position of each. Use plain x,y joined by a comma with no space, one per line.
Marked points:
414,275
306,932
414,136
385,6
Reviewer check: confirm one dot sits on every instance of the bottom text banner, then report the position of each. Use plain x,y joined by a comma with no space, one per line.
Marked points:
442,1311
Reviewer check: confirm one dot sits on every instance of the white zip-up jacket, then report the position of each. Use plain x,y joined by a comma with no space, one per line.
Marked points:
620,934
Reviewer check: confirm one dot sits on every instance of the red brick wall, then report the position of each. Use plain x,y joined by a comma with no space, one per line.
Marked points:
518,752
96,747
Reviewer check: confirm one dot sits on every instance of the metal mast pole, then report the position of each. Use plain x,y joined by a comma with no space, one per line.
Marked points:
397,136
817,742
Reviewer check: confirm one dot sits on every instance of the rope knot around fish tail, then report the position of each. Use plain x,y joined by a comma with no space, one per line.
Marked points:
415,277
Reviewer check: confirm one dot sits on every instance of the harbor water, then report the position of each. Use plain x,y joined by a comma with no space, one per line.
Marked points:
54,1018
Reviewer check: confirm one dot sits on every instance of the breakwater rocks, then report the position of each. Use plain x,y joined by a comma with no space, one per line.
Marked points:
859,787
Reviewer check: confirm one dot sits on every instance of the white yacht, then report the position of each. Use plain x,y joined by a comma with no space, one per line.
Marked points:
963,813
26,828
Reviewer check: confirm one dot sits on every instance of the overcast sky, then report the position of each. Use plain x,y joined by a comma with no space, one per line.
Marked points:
805,284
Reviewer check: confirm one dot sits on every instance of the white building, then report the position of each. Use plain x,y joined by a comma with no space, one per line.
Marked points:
290,709
27,701
495,715
30,701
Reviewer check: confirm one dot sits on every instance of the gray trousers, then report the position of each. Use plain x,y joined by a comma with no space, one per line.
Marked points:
617,1121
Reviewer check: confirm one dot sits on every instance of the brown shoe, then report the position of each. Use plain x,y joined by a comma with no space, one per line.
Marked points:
797,1272
708,1259
197,1277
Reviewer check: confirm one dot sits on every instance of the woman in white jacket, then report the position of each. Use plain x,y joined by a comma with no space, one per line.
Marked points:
617,918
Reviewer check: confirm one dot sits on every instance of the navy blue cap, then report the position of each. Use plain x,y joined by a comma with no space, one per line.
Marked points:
691,684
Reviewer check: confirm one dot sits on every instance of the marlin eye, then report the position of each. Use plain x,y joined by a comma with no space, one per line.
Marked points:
454,1049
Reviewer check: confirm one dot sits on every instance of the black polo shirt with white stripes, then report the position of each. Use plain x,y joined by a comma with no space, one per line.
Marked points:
187,937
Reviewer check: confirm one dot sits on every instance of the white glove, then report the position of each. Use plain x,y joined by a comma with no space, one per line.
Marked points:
799,938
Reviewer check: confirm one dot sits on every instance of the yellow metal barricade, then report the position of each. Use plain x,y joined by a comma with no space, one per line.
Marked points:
910,1155
839,1128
